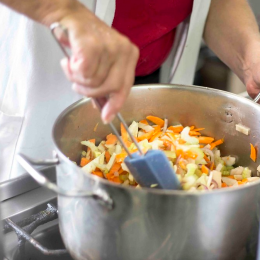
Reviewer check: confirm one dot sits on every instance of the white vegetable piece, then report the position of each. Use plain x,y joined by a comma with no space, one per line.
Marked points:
216,176
229,182
242,129
186,137
146,128
237,171
238,177
111,161
229,160
92,146
203,179
101,147
131,177
209,179
219,167
156,144
170,154
118,149
133,128
124,167
96,154
140,133
91,166
165,125
252,179
258,170
189,181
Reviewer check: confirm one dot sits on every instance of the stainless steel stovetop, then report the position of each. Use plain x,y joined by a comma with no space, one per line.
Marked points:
22,198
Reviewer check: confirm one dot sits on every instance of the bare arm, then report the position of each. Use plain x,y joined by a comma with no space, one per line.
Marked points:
103,61
232,32
43,11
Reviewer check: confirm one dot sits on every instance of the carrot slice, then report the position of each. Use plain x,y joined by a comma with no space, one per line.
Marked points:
98,173
115,179
218,142
180,152
125,136
156,120
205,140
192,127
244,180
92,140
198,129
107,155
146,136
115,168
155,136
111,139
240,183
204,169
182,165
223,185
144,122
176,129
253,153
194,133
120,157
95,128
121,171
212,166
231,177
181,141
206,158
190,154
84,161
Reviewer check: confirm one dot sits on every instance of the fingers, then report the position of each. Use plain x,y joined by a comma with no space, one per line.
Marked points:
117,99
102,63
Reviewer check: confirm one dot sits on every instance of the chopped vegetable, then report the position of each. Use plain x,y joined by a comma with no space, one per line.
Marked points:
196,159
253,153
176,129
95,128
204,169
186,137
242,129
156,120
84,161
229,160
216,143
205,140
246,173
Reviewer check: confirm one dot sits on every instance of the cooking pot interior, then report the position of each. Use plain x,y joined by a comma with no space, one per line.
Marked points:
216,111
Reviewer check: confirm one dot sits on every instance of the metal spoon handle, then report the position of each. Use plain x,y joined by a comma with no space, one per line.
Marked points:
257,98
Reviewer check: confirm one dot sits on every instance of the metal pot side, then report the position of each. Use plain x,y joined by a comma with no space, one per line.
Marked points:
155,224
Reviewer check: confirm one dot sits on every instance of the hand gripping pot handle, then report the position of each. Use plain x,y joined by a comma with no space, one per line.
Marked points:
28,163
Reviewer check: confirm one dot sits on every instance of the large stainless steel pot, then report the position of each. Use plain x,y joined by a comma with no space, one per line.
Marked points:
147,223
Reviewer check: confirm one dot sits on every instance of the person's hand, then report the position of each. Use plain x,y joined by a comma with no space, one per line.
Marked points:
253,81
251,70
103,61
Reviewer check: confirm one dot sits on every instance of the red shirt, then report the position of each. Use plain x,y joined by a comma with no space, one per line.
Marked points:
150,24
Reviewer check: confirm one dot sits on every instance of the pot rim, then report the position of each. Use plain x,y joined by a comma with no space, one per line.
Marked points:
151,190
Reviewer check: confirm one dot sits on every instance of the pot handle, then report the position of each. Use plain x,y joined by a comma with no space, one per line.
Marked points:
28,163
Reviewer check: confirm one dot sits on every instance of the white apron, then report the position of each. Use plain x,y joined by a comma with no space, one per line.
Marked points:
34,90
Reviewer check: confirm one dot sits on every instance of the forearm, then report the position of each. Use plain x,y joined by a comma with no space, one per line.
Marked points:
232,32
44,11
